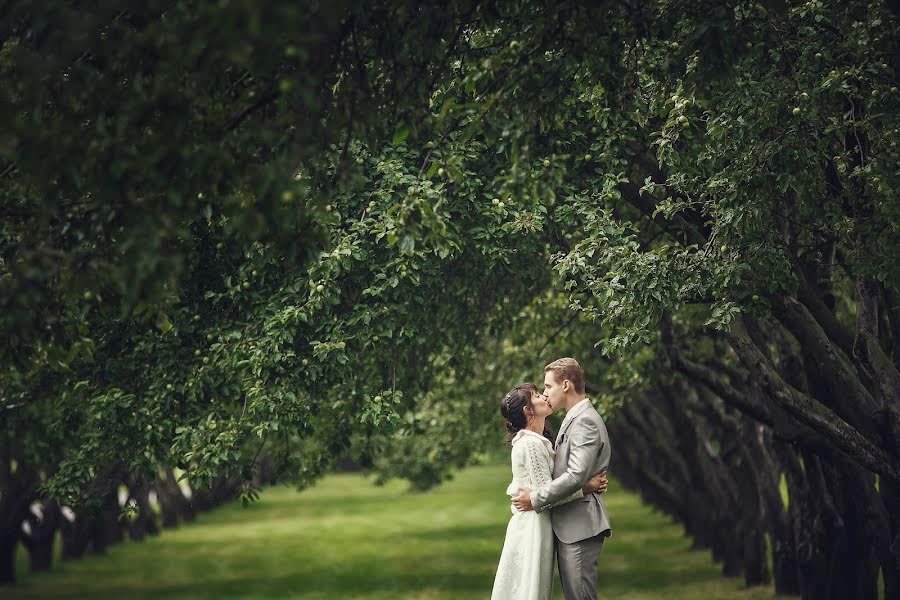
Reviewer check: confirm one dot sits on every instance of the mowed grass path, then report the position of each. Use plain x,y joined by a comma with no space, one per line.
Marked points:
346,538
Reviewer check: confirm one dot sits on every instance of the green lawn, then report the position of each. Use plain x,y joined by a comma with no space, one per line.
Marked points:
347,538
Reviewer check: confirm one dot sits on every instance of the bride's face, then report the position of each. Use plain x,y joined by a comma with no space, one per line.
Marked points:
539,405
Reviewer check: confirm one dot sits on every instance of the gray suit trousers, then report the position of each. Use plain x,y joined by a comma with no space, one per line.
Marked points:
578,567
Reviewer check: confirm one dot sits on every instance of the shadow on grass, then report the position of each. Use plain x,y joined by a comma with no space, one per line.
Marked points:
347,539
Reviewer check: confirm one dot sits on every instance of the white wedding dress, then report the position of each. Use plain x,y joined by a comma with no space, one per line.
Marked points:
525,571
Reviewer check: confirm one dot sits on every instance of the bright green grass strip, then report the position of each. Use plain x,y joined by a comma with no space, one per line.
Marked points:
346,538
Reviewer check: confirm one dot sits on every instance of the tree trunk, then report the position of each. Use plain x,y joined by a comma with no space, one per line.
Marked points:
8,541
76,536
41,534
223,489
144,523
183,507
784,549
107,530
18,488
813,530
809,411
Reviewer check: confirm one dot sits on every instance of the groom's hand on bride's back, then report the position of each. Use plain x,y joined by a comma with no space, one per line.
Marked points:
598,483
522,501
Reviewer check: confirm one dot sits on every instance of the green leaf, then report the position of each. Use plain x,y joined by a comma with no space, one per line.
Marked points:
400,134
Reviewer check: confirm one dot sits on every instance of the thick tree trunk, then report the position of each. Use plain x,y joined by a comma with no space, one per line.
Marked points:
107,530
76,536
853,572
814,529
42,532
223,489
840,387
8,541
18,488
182,505
784,549
167,503
808,410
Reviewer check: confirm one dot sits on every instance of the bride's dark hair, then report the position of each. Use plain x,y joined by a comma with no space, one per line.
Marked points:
512,407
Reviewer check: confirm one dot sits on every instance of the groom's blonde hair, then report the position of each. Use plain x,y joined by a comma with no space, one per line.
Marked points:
567,368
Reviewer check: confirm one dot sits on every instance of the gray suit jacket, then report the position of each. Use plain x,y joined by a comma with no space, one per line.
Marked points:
582,450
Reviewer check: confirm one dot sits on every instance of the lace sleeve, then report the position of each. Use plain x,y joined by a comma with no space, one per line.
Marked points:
537,463
540,471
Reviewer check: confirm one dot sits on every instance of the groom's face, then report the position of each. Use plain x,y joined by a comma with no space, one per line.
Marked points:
554,392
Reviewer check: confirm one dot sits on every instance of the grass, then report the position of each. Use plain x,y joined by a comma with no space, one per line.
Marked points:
348,539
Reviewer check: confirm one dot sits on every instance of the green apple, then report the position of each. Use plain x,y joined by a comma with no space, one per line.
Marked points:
320,288
546,163
796,110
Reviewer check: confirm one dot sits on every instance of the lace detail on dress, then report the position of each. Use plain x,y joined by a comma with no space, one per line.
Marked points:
540,470
537,462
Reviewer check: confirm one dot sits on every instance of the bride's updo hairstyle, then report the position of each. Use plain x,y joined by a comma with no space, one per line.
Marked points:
512,407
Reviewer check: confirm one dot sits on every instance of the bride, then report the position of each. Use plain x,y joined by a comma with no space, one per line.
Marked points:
525,571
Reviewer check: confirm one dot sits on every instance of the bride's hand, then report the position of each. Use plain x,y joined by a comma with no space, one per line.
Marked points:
597,483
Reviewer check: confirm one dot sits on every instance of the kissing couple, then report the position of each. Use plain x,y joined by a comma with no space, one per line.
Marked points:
556,489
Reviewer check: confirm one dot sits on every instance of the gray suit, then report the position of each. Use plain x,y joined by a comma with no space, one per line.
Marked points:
582,450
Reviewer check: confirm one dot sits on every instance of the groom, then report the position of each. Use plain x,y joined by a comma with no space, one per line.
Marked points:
582,449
